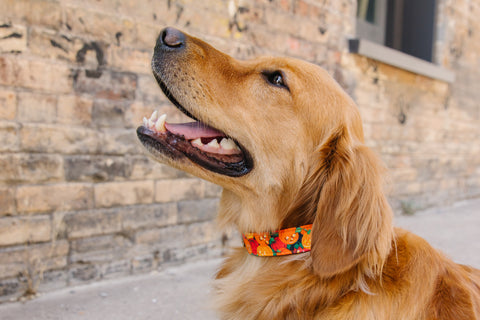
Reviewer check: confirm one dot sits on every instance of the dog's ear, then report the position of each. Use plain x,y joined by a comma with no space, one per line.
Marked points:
344,198
353,218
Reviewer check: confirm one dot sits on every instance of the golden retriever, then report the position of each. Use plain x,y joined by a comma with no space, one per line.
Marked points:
286,144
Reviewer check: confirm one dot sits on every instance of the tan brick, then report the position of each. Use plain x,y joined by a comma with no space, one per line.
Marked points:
87,248
60,197
147,34
8,105
109,113
10,170
131,59
119,141
183,235
83,273
7,201
91,223
217,26
34,107
106,84
144,12
30,167
40,168
35,74
38,258
62,139
96,168
116,269
43,12
135,114
52,280
197,210
202,232
212,190
178,189
74,110
158,215
9,137
103,248
123,193
13,39
100,26
149,91
144,168
162,237
17,230
51,44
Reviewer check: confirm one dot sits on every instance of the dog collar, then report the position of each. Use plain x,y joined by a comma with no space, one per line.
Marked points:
279,243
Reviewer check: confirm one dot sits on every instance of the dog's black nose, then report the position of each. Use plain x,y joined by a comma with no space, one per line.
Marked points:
171,38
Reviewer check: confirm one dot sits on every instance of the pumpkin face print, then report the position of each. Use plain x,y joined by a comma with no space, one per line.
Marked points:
306,239
288,236
264,250
263,239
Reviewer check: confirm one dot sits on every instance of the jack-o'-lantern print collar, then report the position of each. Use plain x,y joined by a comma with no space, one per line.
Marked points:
279,243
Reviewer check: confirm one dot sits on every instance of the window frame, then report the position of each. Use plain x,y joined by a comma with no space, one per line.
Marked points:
366,45
374,32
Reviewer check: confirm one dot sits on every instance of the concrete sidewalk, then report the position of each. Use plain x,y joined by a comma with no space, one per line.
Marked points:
183,292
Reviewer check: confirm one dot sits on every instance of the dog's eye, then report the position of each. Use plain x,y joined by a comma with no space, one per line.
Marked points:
276,78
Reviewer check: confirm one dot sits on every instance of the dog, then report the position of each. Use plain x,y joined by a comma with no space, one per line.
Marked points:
286,144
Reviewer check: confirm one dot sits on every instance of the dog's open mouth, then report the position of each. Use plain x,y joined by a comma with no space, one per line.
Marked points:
202,144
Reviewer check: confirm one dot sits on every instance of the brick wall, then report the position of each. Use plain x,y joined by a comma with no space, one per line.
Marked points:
80,202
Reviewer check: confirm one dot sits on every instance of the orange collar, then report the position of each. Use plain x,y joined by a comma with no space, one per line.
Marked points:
279,243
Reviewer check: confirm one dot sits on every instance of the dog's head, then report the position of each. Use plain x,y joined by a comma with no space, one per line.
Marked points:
280,135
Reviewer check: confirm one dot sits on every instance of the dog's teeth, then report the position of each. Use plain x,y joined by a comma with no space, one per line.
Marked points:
213,144
151,124
160,125
228,144
154,116
197,142
145,122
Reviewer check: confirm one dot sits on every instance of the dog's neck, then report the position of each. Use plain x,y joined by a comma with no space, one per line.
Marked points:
260,214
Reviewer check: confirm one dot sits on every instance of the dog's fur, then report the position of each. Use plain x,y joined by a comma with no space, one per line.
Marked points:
311,165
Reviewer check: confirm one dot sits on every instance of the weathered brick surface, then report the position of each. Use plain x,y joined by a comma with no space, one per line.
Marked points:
30,168
74,110
36,108
25,12
113,194
118,141
179,189
96,168
8,101
59,139
14,39
7,201
197,210
10,288
38,257
158,215
82,273
80,201
105,84
54,197
44,75
15,230
83,224
9,140
101,249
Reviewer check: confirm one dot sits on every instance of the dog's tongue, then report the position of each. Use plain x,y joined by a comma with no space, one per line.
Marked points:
193,130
